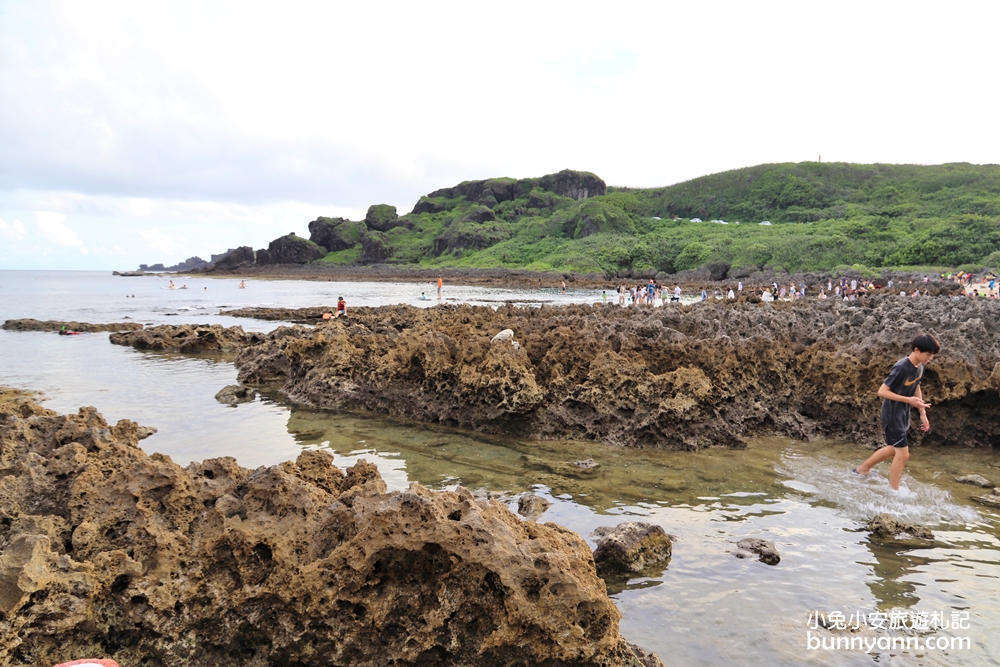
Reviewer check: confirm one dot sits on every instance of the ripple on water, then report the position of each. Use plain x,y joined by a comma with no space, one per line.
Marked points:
860,498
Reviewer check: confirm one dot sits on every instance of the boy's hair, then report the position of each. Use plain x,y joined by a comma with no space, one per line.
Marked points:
926,343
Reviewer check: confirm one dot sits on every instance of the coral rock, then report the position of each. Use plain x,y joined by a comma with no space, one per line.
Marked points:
105,550
763,549
632,546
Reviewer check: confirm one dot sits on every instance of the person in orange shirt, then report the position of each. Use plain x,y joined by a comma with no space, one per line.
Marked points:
440,284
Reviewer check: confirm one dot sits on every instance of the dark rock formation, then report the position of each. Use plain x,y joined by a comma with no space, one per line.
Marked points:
336,234
428,205
574,184
235,394
531,506
755,546
188,338
129,274
190,264
109,551
235,258
975,480
374,248
381,217
291,249
632,546
310,315
887,526
53,325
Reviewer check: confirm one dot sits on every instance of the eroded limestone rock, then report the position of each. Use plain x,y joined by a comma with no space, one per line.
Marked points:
30,324
234,394
887,526
631,546
532,506
975,480
188,338
105,550
765,550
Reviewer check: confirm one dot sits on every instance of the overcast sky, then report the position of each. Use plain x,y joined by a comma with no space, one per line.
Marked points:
152,131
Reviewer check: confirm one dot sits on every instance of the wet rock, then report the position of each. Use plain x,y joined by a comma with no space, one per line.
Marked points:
53,325
887,526
112,551
586,464
632,546
188,338
765,550
531,506
235,394
992,500
975,480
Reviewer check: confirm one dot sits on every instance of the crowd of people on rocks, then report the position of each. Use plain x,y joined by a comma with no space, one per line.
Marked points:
847,289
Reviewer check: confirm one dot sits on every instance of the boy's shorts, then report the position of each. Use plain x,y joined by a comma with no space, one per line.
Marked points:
896,439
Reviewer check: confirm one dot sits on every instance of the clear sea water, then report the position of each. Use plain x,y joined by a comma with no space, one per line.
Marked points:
705,608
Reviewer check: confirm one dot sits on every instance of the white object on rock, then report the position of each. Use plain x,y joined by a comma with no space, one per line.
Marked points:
506,334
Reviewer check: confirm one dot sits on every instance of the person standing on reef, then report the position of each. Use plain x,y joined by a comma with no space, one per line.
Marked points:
900,392
563,286
440,285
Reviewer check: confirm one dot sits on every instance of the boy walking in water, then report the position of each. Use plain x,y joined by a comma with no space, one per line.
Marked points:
900,392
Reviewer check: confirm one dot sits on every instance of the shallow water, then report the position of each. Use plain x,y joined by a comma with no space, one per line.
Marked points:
707,607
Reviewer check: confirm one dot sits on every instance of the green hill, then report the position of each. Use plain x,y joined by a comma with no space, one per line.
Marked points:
823,215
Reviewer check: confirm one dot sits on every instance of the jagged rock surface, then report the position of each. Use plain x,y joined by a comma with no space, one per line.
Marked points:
887,526
235,394
679,378
632,546
188,338
532,506
30,324
765,550
242,256
105,550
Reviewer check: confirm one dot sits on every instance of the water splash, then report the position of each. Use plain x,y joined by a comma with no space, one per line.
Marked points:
860,498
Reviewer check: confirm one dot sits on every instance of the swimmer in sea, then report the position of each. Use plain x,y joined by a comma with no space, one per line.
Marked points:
243,284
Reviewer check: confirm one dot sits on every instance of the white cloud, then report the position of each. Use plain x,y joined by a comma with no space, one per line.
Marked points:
159,241
141,208
53,230
12,232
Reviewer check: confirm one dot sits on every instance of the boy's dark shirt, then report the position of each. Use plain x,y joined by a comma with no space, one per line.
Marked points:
903,379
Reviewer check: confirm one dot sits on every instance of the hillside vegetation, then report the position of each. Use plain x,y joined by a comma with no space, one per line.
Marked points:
823,215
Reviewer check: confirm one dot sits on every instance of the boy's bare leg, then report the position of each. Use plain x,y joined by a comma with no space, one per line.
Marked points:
883,454
898,463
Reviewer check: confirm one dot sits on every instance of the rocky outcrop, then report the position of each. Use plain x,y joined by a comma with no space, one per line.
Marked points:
188,338
574,184
991,500
532,506
975,480
375,247
381,217
235,258
335,234
54,325
235,394
764,550
291,249
631,547
105,550
887,526
681,378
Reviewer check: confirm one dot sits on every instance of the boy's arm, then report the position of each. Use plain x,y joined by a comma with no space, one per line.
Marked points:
916,400
925,424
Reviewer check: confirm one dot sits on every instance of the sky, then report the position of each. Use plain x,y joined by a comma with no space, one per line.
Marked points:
145,132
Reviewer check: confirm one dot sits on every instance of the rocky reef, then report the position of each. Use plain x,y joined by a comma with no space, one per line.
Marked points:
30,324
105,550
703,375
709,374
188,338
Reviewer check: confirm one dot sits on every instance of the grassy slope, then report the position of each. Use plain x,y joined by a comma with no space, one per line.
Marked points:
824,215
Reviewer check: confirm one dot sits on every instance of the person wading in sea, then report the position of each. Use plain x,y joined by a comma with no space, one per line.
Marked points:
900,392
